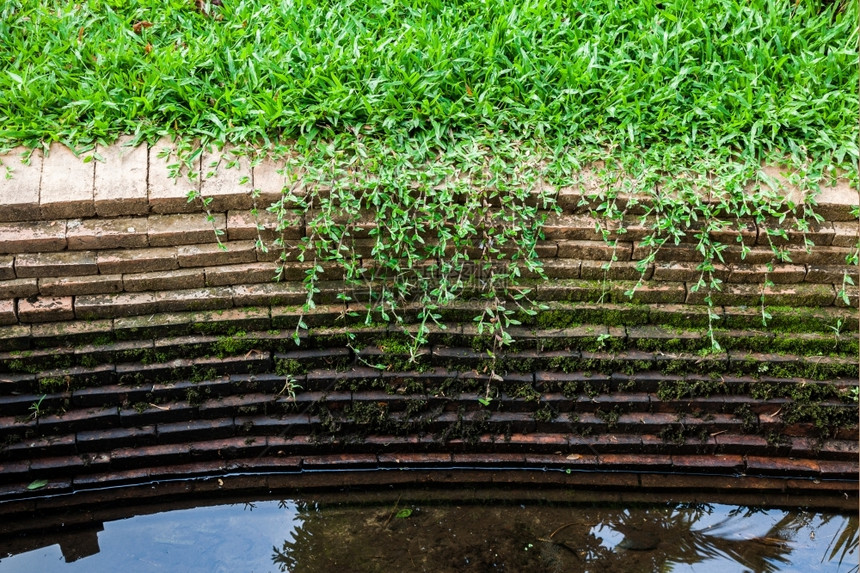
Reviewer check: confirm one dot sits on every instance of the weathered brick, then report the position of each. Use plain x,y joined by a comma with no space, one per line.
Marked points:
32,237
15,337
757,274
269,294
163,280
820,255
240,274
760,465
7,268
111,438
19,194
71,286
338,461
212,254
570,290
819,234
7,312
270,184
63,264
555,269
70,332
779,295
831,274
838,202
686,272
19,288
847,233
166,194
242,225
226,179
194,299
618,270
571,227
594,250
67,185
120,180
98,234
114,305
45,309
184,229
137,261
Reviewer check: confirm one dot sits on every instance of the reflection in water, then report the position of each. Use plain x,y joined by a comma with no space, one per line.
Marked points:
437,538
353,533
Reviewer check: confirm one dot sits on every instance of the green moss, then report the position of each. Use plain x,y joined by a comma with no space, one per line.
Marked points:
288,366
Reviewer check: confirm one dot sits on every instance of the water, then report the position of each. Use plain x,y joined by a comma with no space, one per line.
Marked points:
426,530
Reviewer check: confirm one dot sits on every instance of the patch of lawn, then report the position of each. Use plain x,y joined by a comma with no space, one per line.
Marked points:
752,77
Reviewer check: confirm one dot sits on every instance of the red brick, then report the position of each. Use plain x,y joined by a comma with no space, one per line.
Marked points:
19,288
32,237
100,234
120,180
781,466
652,292
226,179
240,274
339,461
821,255
110,306
242,225
168,195
67,185
594,250
7,312
831,274
45,309
839,470
687,272
62,264
820,234
137,261
7,268
125,458
19,194
194,299
272,180
94,284
718,463
781,295
269,294
837,203
756,274
15,337
212,254
415,459
163,280
847,233
618,270
636,462
184,229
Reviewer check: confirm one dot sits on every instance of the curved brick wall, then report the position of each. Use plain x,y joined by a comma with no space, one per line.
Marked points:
157,353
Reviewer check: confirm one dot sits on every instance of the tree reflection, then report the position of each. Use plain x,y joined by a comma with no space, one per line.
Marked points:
518,538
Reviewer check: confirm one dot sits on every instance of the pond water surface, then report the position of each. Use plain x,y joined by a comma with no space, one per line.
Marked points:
422,531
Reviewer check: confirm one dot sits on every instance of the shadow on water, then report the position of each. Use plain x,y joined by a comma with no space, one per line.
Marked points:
438,530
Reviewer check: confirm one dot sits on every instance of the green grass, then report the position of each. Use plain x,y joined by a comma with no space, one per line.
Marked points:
749,77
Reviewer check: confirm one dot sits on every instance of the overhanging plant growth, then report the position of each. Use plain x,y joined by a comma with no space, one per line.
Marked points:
428,138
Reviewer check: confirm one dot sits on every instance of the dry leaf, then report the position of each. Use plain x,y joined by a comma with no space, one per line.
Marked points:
138,26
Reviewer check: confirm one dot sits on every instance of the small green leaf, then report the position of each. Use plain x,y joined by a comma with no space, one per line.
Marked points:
403,513
37,484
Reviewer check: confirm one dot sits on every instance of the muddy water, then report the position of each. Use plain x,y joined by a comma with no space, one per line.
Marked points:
419,531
